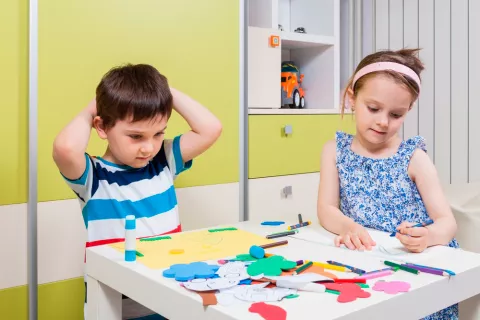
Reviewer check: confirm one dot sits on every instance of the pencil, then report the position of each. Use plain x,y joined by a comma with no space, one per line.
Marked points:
401,267
429,270
421,224
281,234
303,268
275,244
331,267
422,266
353,269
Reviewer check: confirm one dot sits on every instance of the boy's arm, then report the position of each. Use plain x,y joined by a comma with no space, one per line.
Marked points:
206,128
424,174
71,143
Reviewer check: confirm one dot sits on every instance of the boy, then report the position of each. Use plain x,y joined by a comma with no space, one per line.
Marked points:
135,175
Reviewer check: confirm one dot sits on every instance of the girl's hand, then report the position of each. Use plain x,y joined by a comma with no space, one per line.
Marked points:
414,239
356,237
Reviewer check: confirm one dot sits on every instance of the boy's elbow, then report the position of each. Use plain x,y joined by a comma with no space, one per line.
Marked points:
216,129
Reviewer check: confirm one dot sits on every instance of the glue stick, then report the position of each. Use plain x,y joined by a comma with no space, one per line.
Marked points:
130,244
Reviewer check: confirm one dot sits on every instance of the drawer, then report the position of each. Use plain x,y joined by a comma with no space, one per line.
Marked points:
271,152
269,201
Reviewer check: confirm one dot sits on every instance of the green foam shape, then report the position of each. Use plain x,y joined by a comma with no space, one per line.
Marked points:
292,296
223,229
156,238
363,285
271,266
245,257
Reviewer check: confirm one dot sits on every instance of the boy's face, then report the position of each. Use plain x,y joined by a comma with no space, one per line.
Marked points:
134,143
380,109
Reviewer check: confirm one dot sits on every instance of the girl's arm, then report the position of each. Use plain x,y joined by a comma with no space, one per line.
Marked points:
331,218
422,171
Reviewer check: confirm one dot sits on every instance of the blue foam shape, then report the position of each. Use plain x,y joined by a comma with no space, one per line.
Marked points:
257,252
246,281
272,223
186,272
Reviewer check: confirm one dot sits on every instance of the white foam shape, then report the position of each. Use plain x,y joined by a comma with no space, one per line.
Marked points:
256,294
210,284
235,270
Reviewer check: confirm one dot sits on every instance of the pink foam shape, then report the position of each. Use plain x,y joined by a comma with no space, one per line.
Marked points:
391,287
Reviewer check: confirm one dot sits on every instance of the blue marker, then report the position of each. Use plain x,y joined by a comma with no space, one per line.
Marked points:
424,224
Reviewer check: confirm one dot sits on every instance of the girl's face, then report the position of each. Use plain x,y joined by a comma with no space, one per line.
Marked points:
380,109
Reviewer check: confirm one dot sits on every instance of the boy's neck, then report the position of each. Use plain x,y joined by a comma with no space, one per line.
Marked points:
111,158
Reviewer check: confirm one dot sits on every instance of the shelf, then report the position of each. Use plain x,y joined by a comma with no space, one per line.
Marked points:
295,40
295,111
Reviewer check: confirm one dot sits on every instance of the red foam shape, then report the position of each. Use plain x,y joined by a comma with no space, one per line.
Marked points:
348,291
268,311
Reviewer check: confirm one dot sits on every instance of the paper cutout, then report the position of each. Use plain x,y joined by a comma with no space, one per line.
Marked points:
301,278
387,247
303,286
185,272
268,311
208,298
271,266
200,246
257,294
348,291
234,271
391,287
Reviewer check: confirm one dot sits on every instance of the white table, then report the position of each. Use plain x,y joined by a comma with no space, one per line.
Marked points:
109,276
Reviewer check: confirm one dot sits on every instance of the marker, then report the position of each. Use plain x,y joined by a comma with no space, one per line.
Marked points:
402,267
353,269
303,268
130,240
281,234
353,280
424,224
299,225
275,244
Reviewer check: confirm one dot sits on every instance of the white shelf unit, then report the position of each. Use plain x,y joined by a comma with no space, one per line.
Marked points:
315,52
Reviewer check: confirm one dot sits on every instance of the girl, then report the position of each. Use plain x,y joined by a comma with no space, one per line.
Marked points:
374,179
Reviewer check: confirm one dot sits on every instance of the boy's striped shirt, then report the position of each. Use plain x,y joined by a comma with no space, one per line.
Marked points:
109,192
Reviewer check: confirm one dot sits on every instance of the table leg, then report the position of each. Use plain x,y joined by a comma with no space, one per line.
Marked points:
103,302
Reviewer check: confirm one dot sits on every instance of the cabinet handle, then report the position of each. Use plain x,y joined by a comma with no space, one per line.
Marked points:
287,130
287,191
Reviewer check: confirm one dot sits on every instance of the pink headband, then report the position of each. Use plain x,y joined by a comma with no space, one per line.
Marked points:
381,66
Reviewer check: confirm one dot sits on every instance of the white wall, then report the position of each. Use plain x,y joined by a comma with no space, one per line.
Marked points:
446,114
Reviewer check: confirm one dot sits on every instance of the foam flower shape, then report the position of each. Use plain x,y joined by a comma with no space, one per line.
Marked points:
271,266
391,287
348,291
186,272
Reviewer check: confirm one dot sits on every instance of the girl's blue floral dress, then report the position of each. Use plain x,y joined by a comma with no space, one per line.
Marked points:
379,194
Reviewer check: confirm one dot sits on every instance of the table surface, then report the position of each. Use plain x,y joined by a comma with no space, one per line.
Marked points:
428,293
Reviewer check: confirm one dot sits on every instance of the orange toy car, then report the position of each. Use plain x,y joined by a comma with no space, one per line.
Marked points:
293,94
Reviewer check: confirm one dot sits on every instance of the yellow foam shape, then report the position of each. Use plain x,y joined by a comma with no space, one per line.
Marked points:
197,246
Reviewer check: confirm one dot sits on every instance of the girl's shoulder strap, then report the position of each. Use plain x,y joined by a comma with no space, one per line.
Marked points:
413,143
343,140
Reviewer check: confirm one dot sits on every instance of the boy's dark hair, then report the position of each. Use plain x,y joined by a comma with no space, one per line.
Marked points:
138,91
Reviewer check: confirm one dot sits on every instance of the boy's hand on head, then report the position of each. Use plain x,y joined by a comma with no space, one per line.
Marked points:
414,239
92,107
356,237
